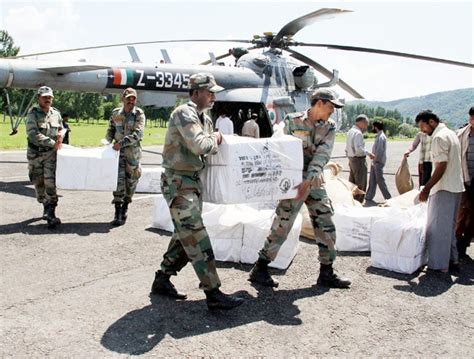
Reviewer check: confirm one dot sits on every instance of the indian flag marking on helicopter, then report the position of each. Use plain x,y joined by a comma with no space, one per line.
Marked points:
123,77
272,114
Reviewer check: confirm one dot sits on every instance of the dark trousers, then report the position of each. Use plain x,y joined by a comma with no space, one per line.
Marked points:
358,175
465,217
377,179
424,172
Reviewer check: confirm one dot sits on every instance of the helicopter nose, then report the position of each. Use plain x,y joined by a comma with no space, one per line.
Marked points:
4,73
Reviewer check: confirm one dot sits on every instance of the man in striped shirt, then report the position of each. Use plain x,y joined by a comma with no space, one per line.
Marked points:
425,167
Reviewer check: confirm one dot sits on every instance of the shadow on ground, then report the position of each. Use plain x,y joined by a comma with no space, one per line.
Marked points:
19,188
139,331
429,283
38,226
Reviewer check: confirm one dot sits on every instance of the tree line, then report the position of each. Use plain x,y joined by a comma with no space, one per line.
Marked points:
394,123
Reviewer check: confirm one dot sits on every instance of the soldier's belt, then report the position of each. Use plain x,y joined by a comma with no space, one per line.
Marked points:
192,174
38,148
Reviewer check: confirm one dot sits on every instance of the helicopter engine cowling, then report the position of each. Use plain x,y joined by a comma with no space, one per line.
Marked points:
304,77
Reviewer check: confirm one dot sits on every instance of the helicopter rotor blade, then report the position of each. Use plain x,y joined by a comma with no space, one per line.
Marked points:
318,67
223,56
123,44
386,52
296,25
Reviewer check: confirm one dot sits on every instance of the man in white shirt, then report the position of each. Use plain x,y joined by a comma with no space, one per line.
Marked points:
251,128
444,192
224,124
355,150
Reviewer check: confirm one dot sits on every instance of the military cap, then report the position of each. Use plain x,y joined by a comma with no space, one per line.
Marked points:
328,95
45,91
129,92
254,116
204,81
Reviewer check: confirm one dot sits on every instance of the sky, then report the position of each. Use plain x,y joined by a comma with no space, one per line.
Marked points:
431,28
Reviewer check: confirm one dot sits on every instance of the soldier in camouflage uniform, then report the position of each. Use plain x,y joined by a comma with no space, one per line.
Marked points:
125,129
43,126
189,139
317,132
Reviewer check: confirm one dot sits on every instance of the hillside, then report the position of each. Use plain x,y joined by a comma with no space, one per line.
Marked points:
451,106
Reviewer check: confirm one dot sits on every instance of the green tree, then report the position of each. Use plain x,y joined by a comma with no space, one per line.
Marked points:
17,97
7,45
407,130
88,105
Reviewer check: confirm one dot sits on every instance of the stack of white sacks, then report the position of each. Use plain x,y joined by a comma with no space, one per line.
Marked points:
242,184
393,234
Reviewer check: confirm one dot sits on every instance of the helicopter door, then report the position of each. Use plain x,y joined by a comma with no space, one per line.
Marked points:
239,112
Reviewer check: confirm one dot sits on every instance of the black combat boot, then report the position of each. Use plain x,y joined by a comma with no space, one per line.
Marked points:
259,274
462,245
53,221
327,278
117,217
45,211
162,285
218,300
124,212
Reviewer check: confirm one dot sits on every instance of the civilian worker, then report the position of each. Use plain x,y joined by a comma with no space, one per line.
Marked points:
379,149
465,217
443,190
355,150
224,124
251,128
425,167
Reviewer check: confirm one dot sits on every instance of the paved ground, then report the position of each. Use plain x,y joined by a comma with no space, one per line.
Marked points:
82,291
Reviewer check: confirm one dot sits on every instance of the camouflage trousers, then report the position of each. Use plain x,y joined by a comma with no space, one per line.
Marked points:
190,241
129,173
320,211
42,173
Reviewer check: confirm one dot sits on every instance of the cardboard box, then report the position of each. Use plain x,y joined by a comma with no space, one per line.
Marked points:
253,170
91,169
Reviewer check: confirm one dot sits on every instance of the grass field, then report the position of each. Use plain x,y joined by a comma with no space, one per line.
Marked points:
82,135
89,135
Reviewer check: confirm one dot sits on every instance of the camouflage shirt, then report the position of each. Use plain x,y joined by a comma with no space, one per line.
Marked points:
318,141
188,139
42,129
126,128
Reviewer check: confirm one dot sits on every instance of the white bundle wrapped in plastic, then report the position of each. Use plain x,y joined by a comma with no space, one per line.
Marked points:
253,170
354,226
257,230
150,180
406,200
398,241
225,230
222,224
339,191
91,169
237,232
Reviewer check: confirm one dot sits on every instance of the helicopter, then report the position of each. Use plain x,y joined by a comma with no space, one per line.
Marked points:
269,82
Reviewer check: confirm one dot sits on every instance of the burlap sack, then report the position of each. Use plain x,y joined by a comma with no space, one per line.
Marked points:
403,178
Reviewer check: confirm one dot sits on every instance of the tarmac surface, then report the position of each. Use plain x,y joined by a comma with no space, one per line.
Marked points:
81,291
